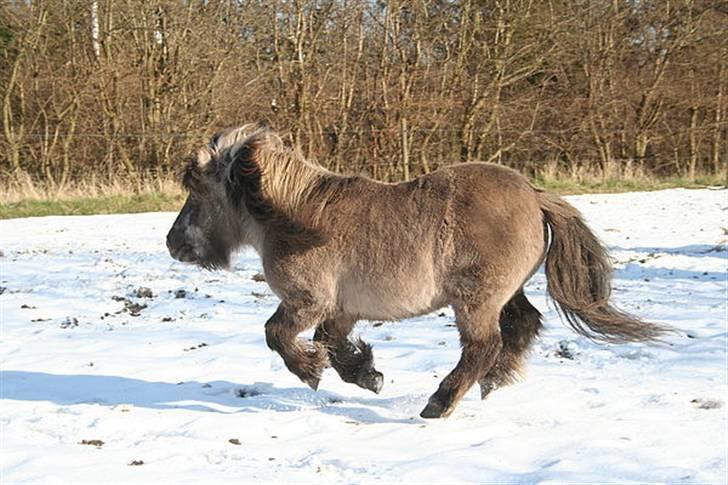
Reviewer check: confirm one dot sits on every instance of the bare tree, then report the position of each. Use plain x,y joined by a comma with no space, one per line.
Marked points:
390,88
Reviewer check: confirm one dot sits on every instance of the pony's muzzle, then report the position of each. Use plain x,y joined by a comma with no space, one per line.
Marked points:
178,247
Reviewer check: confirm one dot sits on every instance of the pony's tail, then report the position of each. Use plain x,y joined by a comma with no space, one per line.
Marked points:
579,277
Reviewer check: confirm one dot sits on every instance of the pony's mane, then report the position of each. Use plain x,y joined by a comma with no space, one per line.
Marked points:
286,176
276,183
224,141
197,167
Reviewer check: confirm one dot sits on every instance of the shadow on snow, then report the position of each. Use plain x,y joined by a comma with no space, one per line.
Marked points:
214,396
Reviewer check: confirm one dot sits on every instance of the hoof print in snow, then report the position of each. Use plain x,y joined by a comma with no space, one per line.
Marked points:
243,392
136,462
180,293
707,403
258,277
234,441
134,309
96,443
638,354
143,292
195,347
564,352
69,322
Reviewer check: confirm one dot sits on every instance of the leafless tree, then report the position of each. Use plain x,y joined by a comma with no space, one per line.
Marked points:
389,88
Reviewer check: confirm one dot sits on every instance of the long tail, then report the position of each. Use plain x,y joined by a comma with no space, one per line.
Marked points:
579,277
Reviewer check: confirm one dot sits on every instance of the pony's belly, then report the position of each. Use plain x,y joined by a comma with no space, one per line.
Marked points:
387,303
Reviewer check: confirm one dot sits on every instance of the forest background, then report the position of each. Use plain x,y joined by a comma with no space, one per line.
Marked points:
102,101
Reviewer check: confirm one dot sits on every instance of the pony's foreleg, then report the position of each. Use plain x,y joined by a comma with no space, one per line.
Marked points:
353,360
481,342
520,323
302,358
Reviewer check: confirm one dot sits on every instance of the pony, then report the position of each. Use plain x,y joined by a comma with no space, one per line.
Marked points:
337,249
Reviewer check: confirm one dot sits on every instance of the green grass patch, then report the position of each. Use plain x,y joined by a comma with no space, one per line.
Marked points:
111,204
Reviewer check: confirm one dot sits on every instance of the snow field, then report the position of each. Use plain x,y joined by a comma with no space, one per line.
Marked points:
160,384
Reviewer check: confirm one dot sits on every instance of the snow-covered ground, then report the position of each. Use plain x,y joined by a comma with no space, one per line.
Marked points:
179,386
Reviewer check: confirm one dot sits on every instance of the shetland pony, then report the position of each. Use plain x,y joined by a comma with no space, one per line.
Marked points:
337,249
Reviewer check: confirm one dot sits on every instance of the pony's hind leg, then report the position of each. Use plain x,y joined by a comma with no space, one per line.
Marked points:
303,359
352,360
481,343
520,323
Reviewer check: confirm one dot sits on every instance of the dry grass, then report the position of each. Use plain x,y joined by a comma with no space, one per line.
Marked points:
625,178
25,197
24,188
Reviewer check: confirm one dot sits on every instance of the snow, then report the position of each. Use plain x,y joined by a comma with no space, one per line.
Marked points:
170,384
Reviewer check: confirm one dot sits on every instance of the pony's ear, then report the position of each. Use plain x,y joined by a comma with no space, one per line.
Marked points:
263,124
243,170
214,138
191,176
244,182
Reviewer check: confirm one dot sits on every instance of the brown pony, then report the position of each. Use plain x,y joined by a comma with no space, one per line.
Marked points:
337,249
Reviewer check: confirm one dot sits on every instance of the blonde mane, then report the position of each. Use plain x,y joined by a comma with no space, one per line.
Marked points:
272,179
287,178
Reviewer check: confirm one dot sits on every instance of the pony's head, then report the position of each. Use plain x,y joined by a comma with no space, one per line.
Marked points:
243,182
213,222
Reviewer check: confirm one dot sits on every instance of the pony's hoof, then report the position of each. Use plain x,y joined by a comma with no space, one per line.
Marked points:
485,389
435,409
313,382
372,381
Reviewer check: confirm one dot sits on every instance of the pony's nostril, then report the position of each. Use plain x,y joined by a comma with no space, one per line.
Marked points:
175,239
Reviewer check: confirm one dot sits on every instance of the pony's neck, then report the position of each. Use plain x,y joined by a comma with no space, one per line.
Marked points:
253,234
287,177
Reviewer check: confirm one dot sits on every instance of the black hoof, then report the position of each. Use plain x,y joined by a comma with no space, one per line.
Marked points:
435,409
372,381
486,389
313,382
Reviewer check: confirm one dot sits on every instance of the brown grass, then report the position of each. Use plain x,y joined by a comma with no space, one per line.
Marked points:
23,196
24,188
